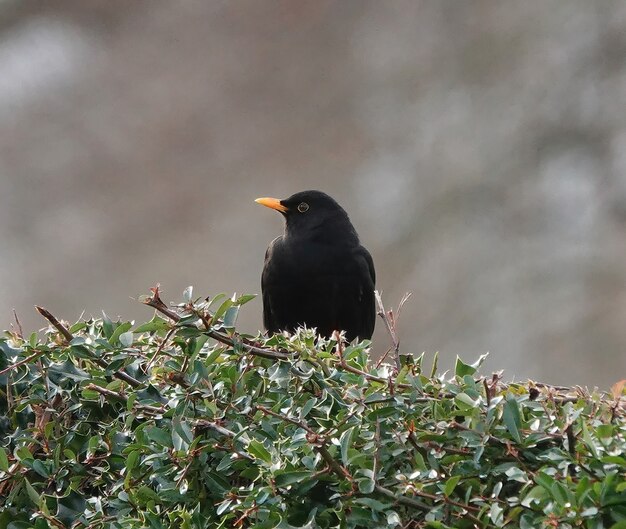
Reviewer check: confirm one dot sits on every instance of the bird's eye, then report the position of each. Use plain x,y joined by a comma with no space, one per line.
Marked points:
303,207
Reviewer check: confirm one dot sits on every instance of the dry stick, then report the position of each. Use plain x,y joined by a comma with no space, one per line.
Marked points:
341,471
156,302
389,325
217,428
447,500
115,395
69,337
19,325
160,348
405,500
21,362
296,422
55,323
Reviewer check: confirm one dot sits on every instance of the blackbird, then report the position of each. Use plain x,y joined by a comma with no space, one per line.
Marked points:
317,274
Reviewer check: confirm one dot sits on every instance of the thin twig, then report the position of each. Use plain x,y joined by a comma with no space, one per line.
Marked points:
377,453
156,302
387,317
119,396
391,322
338,469
160,348
301,424
404,500
20,332
447,500
55,323
203,423
21,362
69,337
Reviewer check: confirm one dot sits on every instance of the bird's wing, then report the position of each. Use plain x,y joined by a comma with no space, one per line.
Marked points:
269,320
370,264
368,301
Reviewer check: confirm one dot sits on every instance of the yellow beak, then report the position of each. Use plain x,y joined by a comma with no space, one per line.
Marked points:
273,203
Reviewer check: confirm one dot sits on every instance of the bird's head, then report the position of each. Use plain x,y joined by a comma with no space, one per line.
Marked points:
313,215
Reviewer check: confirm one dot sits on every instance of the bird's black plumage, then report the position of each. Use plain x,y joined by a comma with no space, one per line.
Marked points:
317,273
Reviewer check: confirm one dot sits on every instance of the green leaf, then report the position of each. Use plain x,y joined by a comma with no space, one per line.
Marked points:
119,330
242,300
182,436
69,370
159,436
155,324
4,460
544,480
131,463
433,371
40,468
365,481
588,440
451,485
126,339
512,419
284,479
221,310
230,316
33,494
308,406
465,402
461,368
257,450
344,441
496,515
393,519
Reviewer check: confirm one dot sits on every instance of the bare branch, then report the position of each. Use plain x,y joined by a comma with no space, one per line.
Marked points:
21,362
20,332
69,337
55,323
404,500
156,302
390,324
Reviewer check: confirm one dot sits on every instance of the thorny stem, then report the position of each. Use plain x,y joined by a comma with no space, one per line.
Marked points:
404,500
21,362
20,331
301,424
160,349
69,337
119,396
55,323
446,500
390,321
156,302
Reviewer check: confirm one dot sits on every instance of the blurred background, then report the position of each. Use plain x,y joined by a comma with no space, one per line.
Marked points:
479,148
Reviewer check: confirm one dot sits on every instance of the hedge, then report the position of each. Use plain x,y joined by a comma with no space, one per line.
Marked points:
183,422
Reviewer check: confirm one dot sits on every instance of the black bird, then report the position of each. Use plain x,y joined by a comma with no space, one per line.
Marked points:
317,274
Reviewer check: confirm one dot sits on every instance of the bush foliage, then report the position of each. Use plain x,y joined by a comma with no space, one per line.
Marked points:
182,422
